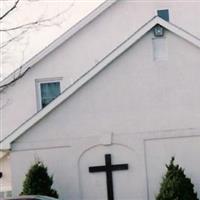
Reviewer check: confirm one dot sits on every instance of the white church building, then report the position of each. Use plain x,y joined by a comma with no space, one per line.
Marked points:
107,105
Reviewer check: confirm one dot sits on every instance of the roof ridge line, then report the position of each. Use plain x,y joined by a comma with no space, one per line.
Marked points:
116,52
53,45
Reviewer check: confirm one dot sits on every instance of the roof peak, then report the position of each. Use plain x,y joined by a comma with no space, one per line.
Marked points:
5,143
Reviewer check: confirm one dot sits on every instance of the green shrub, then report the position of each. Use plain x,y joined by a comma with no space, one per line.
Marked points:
175,185
38,182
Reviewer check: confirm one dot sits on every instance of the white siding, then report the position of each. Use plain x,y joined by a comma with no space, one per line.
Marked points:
136,99
86,48
160,100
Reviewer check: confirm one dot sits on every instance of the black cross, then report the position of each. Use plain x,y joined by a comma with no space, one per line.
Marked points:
108,168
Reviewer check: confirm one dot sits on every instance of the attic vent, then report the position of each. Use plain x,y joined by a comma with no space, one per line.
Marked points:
164,14
160,49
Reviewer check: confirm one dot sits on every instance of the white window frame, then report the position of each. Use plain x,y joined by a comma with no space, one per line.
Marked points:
38,82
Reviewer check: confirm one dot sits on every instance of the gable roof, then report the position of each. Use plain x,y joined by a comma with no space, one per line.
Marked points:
56,43
5,144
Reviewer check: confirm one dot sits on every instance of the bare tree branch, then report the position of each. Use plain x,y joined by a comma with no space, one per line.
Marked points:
24,28
15,33
9,10
15,79
15,38
34,23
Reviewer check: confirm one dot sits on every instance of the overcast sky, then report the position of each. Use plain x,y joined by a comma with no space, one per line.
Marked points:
18,52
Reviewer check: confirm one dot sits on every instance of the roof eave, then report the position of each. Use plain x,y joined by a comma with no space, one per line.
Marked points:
6,143
60,40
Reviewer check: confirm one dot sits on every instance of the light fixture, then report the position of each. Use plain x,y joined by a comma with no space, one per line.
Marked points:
158,31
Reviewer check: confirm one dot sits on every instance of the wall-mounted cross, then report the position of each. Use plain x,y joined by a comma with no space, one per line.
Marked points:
108,168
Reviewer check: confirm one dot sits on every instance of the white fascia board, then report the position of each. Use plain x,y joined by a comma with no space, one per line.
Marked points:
56,43
179,31
6,143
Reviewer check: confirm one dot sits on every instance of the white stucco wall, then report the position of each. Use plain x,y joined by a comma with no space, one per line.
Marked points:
159,152
140,101
85,49
89,46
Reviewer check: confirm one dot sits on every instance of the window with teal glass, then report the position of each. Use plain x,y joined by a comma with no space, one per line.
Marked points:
49,91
